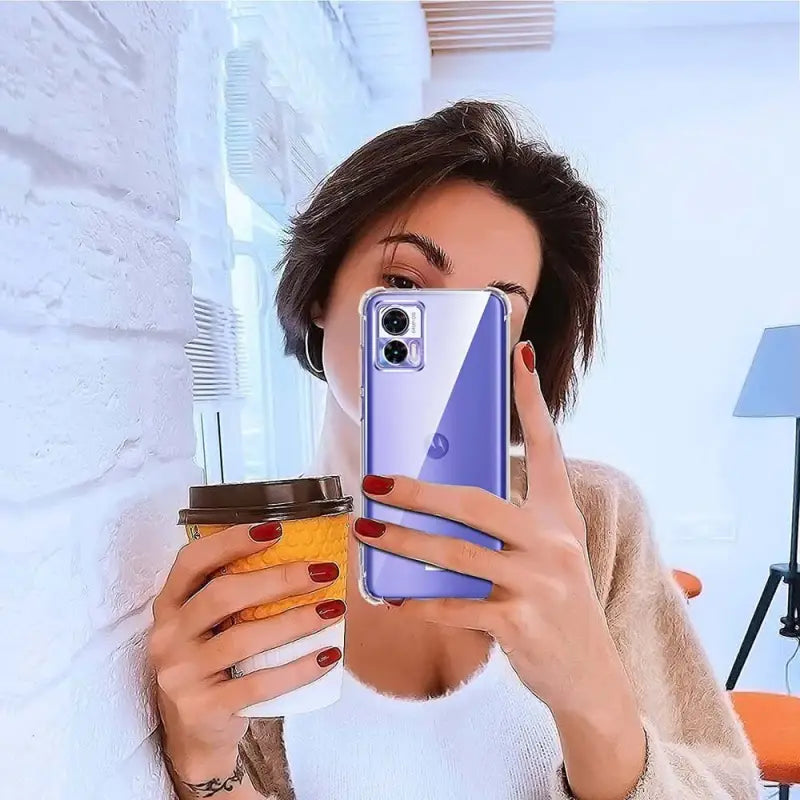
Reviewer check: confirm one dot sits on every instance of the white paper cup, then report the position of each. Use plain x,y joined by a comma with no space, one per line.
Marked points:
319,693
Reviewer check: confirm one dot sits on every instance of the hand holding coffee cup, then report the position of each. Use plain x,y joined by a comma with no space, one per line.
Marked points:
264,598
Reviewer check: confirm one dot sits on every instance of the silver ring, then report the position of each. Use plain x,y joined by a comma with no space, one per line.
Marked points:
308,355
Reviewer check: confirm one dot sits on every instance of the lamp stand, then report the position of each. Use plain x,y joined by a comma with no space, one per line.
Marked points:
788,573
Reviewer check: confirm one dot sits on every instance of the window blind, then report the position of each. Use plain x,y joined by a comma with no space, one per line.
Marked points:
216,353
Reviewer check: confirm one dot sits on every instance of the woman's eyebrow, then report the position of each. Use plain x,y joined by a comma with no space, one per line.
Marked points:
434,253
512,288
437,257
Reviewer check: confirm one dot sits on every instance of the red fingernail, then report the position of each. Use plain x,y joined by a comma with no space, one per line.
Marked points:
369,527
331,609
266,532
322,573
395,601
329,656
528,356
377,484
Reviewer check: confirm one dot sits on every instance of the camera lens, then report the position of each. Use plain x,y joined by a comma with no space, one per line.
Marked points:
395,352
395,321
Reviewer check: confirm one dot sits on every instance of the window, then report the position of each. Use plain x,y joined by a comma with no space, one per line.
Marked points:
292,96
257,413
282,409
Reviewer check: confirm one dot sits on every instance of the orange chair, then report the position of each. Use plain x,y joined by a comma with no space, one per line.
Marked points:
690,584
771,721
772,724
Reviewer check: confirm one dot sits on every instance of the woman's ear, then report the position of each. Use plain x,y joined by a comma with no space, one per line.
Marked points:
317,316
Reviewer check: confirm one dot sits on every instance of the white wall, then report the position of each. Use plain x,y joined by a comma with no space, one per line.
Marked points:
95,308
691,135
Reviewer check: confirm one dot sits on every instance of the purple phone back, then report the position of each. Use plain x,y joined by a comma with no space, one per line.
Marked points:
447,422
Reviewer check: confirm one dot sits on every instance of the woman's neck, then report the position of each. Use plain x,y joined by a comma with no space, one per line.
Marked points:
338,448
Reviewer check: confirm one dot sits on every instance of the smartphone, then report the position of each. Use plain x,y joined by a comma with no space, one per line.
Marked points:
435,393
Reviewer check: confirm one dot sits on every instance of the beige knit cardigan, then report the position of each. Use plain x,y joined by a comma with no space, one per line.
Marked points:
696,748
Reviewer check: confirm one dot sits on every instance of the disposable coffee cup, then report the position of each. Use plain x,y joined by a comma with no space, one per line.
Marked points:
314,517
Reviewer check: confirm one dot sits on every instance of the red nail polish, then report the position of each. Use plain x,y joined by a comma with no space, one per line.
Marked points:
266,532
329,656
377,484
323,573
331,609
394,601
528,356
369,527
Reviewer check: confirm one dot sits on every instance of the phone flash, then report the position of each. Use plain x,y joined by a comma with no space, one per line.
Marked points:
413,354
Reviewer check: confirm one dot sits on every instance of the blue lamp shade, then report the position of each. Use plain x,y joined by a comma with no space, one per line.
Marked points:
772,387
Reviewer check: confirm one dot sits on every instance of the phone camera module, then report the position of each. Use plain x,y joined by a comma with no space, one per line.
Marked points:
395,352
395,321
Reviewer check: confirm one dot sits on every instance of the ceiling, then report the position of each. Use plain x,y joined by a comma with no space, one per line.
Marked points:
395,40
464,25
593,15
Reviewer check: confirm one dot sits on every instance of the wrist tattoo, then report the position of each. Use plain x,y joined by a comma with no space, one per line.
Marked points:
214,786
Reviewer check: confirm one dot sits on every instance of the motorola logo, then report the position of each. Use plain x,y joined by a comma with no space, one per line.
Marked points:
439,446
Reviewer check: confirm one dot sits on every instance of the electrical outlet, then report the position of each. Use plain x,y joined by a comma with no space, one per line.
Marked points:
705,528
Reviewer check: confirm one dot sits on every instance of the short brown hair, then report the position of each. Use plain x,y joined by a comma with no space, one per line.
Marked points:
479,141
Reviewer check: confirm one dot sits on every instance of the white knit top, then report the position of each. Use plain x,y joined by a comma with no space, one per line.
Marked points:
488,739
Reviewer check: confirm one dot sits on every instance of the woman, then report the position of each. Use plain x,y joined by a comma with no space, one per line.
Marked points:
579,677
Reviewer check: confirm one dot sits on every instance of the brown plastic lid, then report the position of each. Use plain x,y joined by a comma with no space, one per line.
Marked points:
234,503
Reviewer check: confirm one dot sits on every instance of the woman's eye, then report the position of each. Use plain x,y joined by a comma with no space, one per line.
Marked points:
400,282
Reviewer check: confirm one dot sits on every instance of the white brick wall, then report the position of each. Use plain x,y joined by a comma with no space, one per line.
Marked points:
95,405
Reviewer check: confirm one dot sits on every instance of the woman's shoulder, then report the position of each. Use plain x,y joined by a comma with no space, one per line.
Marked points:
598,480
593,482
